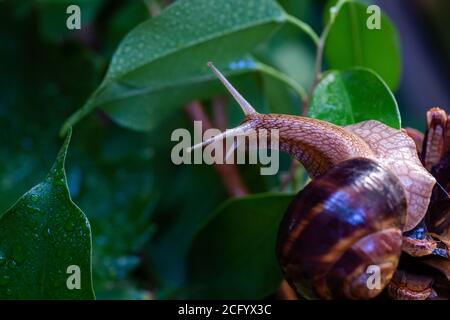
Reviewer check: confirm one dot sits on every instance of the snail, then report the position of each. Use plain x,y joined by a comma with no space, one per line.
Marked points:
368,187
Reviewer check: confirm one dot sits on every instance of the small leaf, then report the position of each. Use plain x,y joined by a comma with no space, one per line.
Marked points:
160,63
233,256
354,95
42,237
350,43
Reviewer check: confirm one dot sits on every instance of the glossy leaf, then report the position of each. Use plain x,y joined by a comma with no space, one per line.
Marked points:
354,95
350,43
42,236
161,64
169,53
233,256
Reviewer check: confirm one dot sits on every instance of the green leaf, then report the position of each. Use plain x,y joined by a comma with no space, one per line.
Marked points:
161,64
42,235
351,43
354,95
233,256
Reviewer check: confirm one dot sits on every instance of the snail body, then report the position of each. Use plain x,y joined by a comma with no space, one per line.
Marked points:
320,145
368,187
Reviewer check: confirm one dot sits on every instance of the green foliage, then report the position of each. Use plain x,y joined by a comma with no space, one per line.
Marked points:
42,235
354,95
159,229
233,256
350,43
104,169
52,15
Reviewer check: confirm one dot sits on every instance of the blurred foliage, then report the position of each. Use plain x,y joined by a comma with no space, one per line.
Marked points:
161,230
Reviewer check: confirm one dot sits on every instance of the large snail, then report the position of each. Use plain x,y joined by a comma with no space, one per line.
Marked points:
368,187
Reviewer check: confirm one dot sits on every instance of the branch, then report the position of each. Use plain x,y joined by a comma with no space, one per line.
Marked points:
307,99
228,173
285,292
318,68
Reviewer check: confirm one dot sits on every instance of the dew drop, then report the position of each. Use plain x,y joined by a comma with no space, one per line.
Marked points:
33,209
47,233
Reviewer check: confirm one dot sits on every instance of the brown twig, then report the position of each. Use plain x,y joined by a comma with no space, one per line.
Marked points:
285,292
219,114
289,177
227,172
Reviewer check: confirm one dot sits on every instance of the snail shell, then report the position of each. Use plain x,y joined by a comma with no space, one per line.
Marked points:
344,221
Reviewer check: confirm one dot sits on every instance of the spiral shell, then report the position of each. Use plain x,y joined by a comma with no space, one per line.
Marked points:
341,225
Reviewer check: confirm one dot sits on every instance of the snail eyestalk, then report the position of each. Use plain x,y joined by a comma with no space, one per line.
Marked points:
235,132
245,105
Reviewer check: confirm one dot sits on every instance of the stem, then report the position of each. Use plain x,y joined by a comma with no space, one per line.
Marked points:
153,7
318,68
290,174
228,172
219,114
285,292
320,44
283,78
303,27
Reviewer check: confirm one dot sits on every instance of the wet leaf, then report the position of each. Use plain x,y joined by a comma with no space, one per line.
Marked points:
161,64
354,95
43,236
233,255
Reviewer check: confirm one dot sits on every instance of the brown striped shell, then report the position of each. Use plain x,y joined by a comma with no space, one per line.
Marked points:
344,221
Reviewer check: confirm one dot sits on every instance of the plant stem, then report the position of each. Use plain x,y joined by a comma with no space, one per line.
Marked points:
263,68
320,44
228,173
317,69
285,292
303,27
153,7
